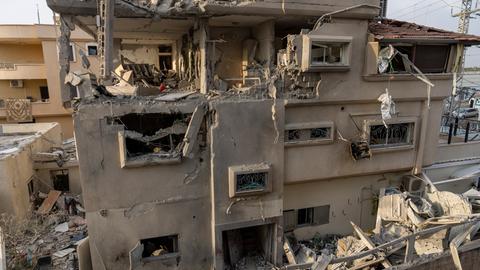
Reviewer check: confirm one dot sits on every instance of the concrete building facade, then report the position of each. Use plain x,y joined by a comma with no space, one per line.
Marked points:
273,124
29,73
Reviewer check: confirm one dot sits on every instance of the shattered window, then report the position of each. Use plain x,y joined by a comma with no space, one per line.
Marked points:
392,135
251,181
326,53
155,133
427,58
158,246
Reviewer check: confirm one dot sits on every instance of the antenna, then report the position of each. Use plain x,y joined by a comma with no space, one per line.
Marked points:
38,14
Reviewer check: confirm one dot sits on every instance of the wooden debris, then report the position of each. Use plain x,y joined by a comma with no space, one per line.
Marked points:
456,242
289,251
322,262
49,202
370,244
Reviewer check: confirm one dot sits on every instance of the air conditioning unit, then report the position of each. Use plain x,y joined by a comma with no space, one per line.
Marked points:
16,83
413,185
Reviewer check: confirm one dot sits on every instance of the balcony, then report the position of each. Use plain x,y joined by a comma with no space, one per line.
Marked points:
27,71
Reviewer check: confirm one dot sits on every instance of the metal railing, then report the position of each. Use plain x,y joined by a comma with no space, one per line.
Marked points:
460,130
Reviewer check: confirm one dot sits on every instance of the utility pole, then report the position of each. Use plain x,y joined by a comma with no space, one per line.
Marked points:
383,8
463,24
38,14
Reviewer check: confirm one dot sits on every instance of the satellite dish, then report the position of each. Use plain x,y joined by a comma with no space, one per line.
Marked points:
384,57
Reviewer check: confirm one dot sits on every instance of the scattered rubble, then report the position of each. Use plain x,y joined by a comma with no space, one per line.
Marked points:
410,230
45,239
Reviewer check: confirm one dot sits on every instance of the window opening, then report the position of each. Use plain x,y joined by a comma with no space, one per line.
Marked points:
61,180
392,135
44,95
158,246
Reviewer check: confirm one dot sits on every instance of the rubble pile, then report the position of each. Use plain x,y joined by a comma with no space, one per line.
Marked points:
44,241
60,155
410,230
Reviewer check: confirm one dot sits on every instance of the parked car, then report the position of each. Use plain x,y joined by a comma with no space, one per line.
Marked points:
463,113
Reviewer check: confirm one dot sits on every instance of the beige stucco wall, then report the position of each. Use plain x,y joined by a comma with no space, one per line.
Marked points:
136,203
21,53
33,49
17,170
350,199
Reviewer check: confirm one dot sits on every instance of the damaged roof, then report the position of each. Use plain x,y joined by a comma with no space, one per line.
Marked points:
388,29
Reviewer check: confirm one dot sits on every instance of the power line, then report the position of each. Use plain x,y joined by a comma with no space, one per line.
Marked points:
417,8
414,16
402,10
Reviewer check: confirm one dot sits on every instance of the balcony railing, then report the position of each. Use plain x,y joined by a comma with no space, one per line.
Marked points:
25,71
457,130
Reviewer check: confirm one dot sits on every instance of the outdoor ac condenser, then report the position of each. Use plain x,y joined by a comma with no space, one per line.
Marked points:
16,83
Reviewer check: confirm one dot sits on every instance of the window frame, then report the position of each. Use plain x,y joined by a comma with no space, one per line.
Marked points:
317,212
400,120
89,44
344,64
74,55
233,171
310,125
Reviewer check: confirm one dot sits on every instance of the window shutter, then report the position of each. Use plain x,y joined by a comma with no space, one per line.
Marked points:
289,220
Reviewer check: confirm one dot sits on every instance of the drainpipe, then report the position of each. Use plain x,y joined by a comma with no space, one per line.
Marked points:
423,136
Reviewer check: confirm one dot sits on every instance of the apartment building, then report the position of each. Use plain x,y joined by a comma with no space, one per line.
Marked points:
29,78
218,126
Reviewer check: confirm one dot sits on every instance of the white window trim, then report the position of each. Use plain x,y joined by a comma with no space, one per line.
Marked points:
398,120
307,52
310,125
233,171
91,44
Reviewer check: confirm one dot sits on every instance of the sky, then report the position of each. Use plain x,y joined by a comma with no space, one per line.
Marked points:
436,13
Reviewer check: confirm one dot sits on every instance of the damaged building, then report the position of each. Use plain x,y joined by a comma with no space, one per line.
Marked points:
214,128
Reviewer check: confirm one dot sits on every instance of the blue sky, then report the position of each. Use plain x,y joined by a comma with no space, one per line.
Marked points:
436,13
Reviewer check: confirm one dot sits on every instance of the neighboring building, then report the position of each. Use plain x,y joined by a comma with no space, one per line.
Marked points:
32,159
282,132
29,78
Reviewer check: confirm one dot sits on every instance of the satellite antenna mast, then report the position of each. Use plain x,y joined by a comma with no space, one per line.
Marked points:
38,14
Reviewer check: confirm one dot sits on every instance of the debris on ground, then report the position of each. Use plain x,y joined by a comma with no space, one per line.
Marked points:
410,230
45,240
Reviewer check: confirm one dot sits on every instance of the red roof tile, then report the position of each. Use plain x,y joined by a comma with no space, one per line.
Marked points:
387,29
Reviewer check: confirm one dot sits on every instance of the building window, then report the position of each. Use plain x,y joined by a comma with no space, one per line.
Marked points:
60,180
427,58
249,179
44,95
304,133
320,52
396,134
165,57
158,246
324,53
251,182
305,216
92,49
71,53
